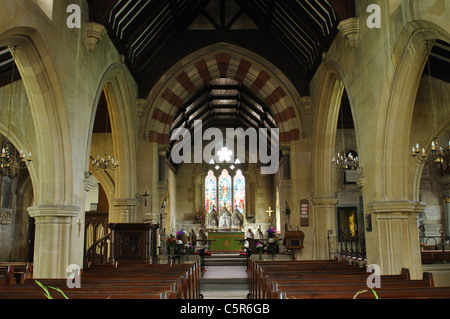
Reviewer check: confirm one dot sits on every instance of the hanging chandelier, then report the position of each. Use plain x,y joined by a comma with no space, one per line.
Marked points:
11,161
105,163
437,154
345,161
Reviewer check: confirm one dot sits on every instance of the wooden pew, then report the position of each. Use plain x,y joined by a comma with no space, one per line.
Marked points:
136,281
305,269
6,274
189,274
323,280
36,292
354,285
395,293
18,271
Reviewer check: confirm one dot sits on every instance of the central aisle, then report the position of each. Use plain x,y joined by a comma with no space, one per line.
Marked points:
224,278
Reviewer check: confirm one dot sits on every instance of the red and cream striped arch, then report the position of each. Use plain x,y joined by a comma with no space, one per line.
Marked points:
196,73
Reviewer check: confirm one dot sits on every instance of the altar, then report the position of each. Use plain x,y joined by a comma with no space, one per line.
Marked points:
226,241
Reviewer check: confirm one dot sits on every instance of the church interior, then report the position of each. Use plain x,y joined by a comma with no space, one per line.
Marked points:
315,133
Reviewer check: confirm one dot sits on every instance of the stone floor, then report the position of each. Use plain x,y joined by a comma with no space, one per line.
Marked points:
224,282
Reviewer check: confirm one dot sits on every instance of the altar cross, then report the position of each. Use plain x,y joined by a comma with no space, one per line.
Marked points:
270,211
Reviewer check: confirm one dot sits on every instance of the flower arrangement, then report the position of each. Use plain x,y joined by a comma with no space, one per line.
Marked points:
273,235
189,247
271,232
180,233
171,241
198,217
171,244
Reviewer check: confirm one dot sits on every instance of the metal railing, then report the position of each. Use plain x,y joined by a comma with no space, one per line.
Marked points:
347,246
434,249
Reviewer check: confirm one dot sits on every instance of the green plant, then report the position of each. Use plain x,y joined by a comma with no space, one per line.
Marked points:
364,291
47,293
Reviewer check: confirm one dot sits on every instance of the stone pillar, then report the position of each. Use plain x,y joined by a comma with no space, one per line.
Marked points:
394,241
123,210
447,214
56,244
324,219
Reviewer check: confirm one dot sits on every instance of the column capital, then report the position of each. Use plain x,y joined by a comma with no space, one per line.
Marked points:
125,202
54,211
324,201
397,206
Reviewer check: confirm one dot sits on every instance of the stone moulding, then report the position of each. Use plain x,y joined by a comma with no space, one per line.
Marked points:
94,34
397,206
349,29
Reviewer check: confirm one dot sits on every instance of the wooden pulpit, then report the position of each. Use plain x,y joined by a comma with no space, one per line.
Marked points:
133,242
294,241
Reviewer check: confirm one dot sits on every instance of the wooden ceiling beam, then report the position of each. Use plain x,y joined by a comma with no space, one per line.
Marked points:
99,10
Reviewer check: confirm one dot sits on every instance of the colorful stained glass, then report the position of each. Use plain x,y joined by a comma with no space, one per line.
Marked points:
239,192
210,192
225,190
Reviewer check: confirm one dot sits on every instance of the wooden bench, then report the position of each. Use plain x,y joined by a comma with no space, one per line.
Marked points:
259,270
189,274
354,285
395,293
6,274
16,272
126,281
325,280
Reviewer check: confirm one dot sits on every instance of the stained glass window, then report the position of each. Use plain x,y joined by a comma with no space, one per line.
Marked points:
225,190
239,191
210,192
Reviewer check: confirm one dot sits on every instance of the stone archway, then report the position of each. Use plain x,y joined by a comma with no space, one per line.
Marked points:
394,243
120,186
56,219
332,86
224,60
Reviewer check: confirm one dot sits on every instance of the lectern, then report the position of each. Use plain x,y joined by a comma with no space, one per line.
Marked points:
133,242
294,241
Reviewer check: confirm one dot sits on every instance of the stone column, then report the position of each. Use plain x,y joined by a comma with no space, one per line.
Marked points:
123,210
56,240
324,219
394,241
447,214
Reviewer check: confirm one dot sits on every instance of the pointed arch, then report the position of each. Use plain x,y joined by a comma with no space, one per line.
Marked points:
411,53
53,147
120,107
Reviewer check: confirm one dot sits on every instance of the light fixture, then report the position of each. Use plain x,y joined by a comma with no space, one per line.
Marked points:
10,159
107,162
224,154
437,154
343,160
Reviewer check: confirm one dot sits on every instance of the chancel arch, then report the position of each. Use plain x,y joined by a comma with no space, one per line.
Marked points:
186,78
